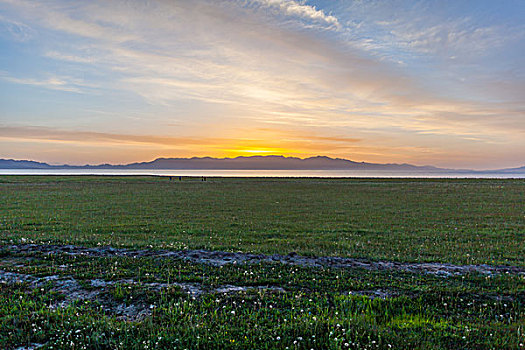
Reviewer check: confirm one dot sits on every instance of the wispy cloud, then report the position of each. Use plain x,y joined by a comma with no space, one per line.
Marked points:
289,141
296,65
71,58
300,9
52,82
15,29
90,137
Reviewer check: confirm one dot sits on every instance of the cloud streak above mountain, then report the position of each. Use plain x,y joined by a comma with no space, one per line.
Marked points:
400,78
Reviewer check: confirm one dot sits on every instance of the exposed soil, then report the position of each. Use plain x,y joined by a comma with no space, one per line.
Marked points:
98,291
375,294
32,346
219,258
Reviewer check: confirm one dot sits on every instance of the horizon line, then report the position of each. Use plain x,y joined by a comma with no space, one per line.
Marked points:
255,156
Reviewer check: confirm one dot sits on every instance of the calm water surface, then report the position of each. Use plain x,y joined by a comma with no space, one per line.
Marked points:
262,173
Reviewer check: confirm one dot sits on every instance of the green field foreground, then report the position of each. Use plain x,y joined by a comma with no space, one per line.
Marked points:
59,299
457,221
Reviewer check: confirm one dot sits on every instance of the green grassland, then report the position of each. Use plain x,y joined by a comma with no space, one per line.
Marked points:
457,221
276,306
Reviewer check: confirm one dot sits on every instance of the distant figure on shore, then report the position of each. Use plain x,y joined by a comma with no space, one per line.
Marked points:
180,178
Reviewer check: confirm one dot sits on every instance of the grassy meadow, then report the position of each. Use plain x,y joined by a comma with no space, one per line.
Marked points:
262,305
456,221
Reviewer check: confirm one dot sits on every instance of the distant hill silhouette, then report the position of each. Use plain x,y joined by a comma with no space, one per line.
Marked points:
23,164
267,163
238,163
520,170
246,163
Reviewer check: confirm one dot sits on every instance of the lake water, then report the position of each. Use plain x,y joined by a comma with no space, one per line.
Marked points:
263,173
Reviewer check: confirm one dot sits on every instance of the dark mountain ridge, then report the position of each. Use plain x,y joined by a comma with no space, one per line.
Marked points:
245,163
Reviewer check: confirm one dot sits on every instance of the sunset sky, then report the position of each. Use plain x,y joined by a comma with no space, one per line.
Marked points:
421,82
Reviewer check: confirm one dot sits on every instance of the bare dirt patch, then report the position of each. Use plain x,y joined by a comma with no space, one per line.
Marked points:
73,291
219,258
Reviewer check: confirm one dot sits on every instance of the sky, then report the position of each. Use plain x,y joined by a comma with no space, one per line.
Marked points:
423,82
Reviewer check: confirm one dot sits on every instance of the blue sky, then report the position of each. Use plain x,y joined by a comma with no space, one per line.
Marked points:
423,82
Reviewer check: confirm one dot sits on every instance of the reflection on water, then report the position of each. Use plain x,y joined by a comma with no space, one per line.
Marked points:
262,173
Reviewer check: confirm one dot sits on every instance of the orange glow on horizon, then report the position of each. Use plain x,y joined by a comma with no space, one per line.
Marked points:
259,151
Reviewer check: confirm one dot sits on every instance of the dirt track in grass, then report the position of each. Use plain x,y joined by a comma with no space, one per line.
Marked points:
219,258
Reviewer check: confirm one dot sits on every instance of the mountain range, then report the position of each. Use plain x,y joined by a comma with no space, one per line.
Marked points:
248,163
